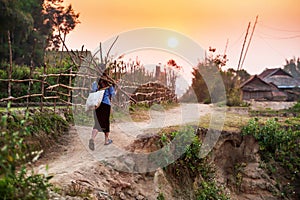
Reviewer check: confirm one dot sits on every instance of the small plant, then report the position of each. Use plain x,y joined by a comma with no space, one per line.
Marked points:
160,196
15,180
209,190
238,175
296,107
77,190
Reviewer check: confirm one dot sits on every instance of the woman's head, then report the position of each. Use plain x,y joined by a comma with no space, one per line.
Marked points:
103,81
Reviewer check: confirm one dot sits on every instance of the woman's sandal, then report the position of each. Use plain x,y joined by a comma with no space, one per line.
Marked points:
108,142
91,144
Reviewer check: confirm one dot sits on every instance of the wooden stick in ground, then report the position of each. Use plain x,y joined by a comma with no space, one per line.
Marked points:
30,73
43,87
21,81
10,66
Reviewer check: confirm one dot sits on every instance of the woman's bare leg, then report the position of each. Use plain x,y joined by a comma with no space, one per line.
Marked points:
106,137
94,134
91,141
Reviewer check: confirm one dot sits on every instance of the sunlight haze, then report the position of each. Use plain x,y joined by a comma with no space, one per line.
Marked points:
209,23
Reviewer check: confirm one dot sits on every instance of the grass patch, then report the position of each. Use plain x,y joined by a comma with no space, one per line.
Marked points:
233,121
140,112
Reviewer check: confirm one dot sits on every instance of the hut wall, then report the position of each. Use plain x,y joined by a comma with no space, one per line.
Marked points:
257,95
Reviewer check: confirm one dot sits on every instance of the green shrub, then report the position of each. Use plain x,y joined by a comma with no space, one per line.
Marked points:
160,196
191,165
52,124
277,143
296,107
16,182
210,191
234,98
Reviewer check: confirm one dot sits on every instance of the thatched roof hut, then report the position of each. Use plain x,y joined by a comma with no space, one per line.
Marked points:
271,84
256,88
280,78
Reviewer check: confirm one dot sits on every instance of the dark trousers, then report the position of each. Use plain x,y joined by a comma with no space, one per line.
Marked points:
101,118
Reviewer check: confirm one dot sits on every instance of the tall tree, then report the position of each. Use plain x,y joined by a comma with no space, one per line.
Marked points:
206,79
19,22
205,76
34,25
62,20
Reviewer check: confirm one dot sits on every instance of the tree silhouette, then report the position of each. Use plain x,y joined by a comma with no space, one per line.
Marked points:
62,20
292,66
205,80
33,25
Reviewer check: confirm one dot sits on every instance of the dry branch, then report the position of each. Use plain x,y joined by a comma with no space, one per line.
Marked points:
24,80
21,97
66,86
61,93
52,97
72,75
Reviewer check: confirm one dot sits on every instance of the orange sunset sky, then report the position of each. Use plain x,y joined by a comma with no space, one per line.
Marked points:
207,22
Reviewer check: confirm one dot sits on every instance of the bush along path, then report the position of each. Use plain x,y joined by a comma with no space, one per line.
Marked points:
279,147
236,168
23,138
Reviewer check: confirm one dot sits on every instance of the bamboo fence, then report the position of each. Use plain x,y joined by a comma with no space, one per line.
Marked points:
132,89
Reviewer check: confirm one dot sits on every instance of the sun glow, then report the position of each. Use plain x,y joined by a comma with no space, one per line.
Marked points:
172,42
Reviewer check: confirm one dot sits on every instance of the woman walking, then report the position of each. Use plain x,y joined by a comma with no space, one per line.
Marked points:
102,113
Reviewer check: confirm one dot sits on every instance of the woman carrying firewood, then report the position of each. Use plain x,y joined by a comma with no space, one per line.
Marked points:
102,113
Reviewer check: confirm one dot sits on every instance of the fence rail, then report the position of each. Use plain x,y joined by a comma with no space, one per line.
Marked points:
61,89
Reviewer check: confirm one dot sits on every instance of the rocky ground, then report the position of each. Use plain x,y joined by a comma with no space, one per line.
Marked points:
111,172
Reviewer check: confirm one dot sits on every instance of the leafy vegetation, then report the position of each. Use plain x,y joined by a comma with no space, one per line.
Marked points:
160,196
21,72
209,190
22,142
16,182
77,190
34,26
279,147
295,108
203,89
191,166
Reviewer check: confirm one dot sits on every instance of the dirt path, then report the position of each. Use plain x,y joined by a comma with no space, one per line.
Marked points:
78,159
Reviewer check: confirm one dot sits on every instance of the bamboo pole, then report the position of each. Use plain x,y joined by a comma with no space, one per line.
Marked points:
10,67
238,68
21,97
30,74
29,87
24,80
43,87
55,100
66,86
249,42
70,90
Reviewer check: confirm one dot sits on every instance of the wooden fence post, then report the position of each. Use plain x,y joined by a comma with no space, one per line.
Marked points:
70,89
30,75
43,87
10,67
29,86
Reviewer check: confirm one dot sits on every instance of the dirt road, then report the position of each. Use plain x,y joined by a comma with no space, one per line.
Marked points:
77,158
